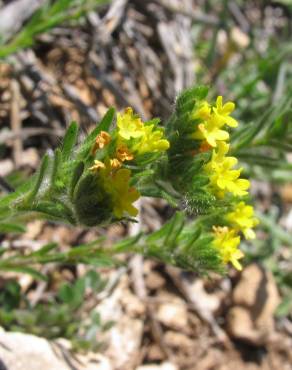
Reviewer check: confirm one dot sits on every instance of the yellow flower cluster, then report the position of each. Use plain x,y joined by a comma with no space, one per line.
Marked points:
123,194
213,120
131,138
227,241
138,138
116,182
115,179
242,219
224,178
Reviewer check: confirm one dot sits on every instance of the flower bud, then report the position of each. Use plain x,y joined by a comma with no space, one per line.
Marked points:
93,204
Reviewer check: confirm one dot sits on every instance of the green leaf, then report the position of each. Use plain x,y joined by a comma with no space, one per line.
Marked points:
73,294
77,173
79,290
39,180
59,6
44,250
192,238
9,227
99,261
55,169
176,226
126,244
69,141
285,306
188,97
66,293
24,269
103,125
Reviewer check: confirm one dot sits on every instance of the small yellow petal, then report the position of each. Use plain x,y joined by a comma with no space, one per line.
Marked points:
97,166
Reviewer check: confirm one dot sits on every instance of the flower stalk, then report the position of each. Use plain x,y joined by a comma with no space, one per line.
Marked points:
96,182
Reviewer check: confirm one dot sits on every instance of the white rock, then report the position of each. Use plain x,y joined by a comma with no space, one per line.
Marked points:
173,313
26,352
20,351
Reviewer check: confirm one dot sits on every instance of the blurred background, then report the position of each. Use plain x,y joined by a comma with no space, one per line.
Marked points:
71,60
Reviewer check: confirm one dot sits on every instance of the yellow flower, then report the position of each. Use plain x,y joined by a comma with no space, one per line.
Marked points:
107,167
115,163
211,132
151,141
227,241
203,111
242,219
116,182
213,119
147,138
123,194
222,176
123,153
102,139
129,125
97,166
222,112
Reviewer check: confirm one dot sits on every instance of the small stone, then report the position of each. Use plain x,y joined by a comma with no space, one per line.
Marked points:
154,281
255,299
173,314
178,340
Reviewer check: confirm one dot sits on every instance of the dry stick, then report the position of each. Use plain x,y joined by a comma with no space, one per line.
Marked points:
195,15
131,94
30,61
104,30
111,20
71,93
114,87
166,33
150,65
64,353
16,122
24,133
15,14
136,265
106,26
175,36
41,286
239,16
33,87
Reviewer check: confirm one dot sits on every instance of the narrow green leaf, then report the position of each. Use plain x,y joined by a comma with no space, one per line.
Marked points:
192,239
103,125
69,141
77,173
99,261
7,227
39,179
56,164
60,6
44,250
176,227
26,270
126,244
